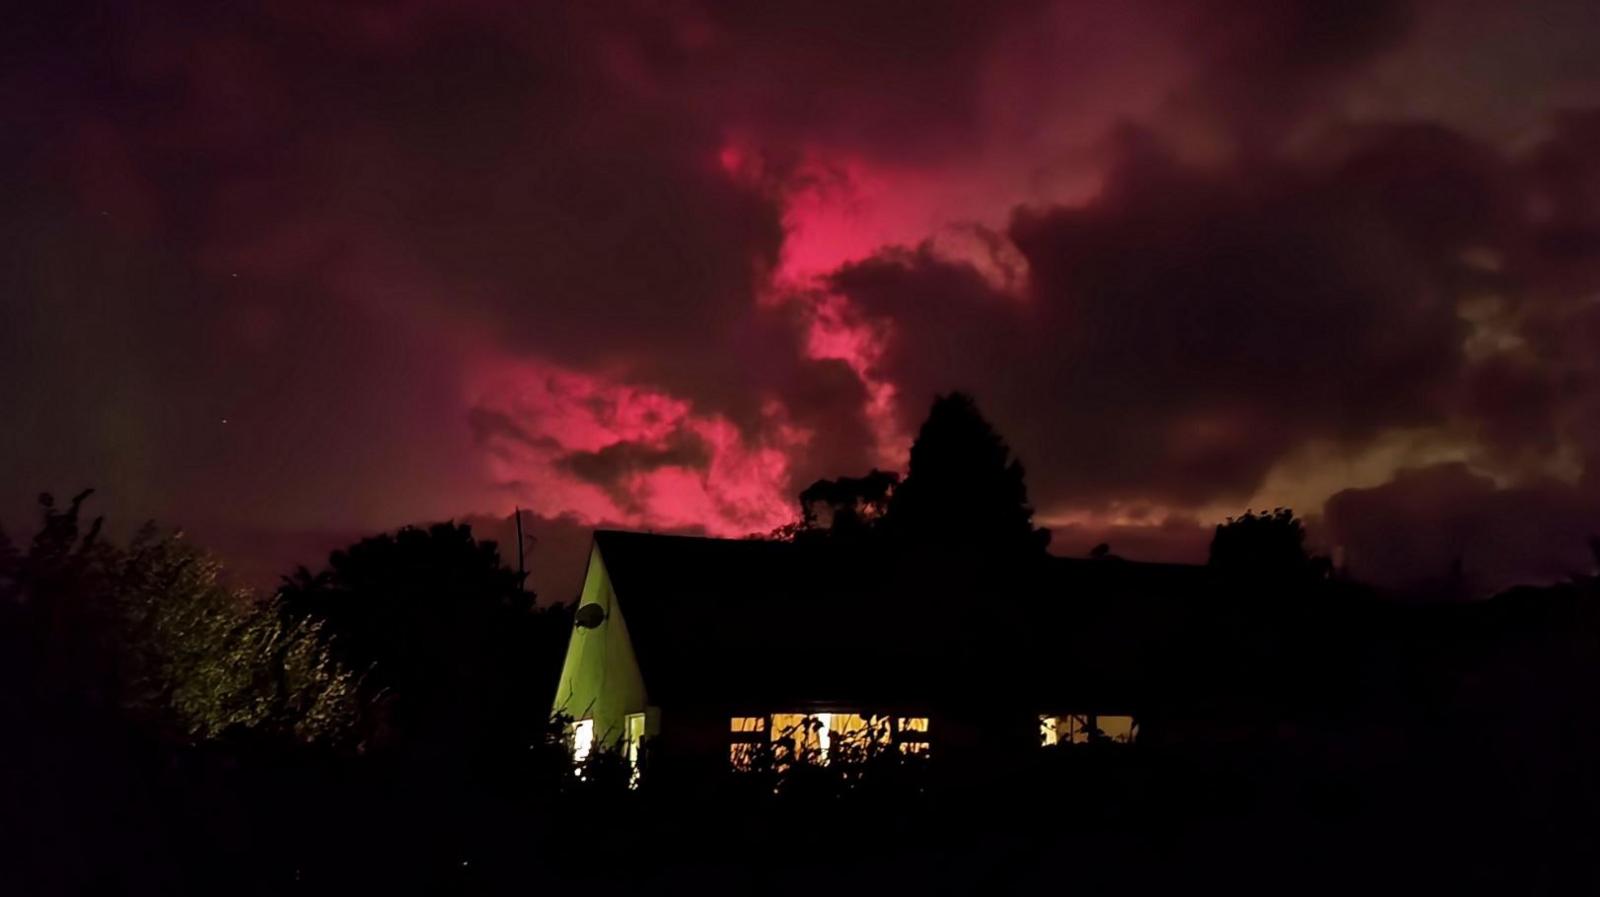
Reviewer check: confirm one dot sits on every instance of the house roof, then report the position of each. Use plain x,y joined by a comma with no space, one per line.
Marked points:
760,623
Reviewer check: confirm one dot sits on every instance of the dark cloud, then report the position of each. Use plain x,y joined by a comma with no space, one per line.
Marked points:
1266,65
898,78
258,260
614,467
301,220
1194,325
827,398
1184,331
1564,171
1415,529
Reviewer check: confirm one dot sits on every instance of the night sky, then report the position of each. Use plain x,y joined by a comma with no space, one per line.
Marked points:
286,273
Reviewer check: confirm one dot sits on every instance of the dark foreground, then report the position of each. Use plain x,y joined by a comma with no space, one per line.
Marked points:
1467,812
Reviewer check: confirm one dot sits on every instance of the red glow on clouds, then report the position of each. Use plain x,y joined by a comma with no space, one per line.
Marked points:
839,206
837,209
838,331
534,416
539,415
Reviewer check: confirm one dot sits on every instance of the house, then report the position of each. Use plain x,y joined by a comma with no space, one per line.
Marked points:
687,652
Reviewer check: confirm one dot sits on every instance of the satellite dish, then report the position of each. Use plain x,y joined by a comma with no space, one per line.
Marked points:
589,616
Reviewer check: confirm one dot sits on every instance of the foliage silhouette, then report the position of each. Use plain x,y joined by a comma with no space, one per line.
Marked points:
963,487
454,654
180,729
1266,547
152,630
847,507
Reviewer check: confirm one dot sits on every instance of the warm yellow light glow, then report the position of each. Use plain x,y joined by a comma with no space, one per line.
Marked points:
850,723
635,727
582,739
1049,733
1084,728
741,756
912,732
1118,728
800,730
818,737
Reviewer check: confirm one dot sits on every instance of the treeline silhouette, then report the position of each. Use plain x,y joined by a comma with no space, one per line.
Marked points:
379,725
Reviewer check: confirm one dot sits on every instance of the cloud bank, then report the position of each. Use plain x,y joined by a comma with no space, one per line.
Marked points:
307,268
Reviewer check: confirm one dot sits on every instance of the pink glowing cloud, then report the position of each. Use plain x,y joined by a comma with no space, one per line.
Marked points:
567,442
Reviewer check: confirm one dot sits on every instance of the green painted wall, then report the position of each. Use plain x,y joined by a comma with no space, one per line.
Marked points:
600,679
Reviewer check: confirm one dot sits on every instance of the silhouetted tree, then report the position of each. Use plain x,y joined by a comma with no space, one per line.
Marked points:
963,487
1592,578
847,507
1266,547
451,650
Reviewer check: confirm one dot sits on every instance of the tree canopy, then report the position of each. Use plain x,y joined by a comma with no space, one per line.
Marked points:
847,507
963,485
152,630
449,645
1267,547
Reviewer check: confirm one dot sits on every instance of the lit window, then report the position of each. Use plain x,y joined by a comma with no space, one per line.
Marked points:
810,736
1068,729
635,727
1121,729
742,755
1083,728
817,737
582,739
801,730
852,724
913,734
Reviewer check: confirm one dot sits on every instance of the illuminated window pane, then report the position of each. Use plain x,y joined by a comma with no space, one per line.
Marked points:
848,723
858,730
791,725
1077,729
635,728
803,734
1057,729
1121,729
742,756
582,739
913,747
816,737
1082,729
748,724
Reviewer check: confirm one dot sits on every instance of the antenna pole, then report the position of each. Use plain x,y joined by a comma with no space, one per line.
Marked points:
522,569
